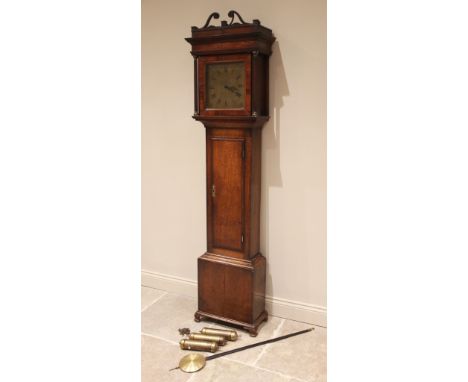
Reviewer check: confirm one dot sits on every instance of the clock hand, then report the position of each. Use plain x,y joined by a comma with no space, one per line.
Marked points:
232,89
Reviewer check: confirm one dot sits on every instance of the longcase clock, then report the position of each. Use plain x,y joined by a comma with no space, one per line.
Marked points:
231,100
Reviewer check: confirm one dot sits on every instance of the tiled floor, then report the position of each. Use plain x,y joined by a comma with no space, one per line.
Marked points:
297,359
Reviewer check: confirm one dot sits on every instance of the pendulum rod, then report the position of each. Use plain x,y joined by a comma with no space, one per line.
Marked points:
257,344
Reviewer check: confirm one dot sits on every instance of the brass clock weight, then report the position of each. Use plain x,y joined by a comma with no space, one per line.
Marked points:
209,339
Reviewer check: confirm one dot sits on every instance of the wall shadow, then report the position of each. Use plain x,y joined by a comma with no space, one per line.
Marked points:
271,164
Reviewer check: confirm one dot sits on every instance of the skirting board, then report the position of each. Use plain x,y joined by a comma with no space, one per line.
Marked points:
279,307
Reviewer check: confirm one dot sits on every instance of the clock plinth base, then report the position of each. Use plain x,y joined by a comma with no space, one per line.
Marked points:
251,328
232,290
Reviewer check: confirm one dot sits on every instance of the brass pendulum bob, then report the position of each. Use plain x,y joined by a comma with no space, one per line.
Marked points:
192,362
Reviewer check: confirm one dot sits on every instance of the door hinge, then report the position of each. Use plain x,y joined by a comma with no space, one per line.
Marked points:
242,239
213,190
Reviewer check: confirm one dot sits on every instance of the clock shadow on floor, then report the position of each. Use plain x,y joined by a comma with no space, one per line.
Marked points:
271,170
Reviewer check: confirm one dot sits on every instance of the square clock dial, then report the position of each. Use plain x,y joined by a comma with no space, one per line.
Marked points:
225,85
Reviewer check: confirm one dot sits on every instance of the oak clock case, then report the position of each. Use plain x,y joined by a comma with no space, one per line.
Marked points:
231,100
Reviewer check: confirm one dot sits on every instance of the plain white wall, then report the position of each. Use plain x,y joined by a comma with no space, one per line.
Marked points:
293,209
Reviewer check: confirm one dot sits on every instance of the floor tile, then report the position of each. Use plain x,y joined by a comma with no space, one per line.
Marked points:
157,357
303,357
171,312
297,359
149,295
224,370
168,314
